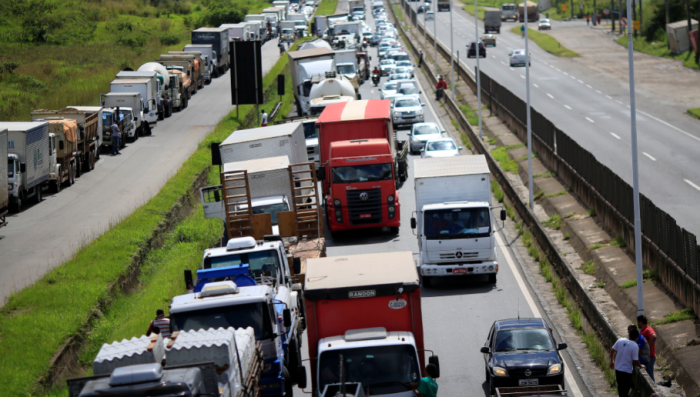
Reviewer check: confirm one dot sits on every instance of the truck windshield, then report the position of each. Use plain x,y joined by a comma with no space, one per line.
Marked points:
363,173
106,122
10,168
256,315
457,223
508,8
271,209
346,69
310,130
259,262
384,369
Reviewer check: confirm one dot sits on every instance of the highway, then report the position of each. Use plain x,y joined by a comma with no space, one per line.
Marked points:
43,236
595,111
457,312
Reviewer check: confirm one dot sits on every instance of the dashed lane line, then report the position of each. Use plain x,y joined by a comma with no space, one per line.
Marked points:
612,133
548,94
649,155
692,184
589,119
567,106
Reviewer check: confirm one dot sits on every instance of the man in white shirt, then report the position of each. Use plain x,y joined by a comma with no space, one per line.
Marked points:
624,356
263,119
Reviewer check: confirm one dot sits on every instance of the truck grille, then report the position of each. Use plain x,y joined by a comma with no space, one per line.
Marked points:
465,255
365,212
310,150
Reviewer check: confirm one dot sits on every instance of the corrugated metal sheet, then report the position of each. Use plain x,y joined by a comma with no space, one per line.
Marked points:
257,143
216,345
127,352
450,166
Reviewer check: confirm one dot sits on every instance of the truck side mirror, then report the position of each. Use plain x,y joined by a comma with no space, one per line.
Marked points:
436,362
287,318
301,377
296,265
22,167
60,144
503,215
413,223
188,278
486,350
562,346
321,173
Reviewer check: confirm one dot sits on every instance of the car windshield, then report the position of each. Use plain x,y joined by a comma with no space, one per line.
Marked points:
441,145
544,21
400,57
346,69
254,315
518,52
389,87
363,173
387,62
508,8
259,262
384,370
407,103
106,121
408,90
523,339
406,64
425,129
310,130
457,223
271,209
10,168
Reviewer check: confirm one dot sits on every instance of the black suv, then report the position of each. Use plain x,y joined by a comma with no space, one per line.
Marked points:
471,51
522,352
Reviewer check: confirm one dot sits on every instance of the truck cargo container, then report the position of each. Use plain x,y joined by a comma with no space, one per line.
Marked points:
362,165
305,66
332,20
134,103
218,38
533,12
367,310
454,219
263,142
199,64
31,155
492,21
149,101
209,54
279,13
443,5
356,5
256,30
238,31
188,64
5,173
265,33
346,64
157,86
168,88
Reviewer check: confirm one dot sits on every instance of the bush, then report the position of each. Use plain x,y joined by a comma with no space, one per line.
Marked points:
220,14
132,41
124,25
170,39
657,23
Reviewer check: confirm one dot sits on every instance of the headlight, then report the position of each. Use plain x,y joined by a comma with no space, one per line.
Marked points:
10,186
498,371
336,202
390,198
338,214
419,112
554,369
397,114
391,209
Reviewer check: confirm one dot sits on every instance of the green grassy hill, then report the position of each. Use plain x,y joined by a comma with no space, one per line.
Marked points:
59,53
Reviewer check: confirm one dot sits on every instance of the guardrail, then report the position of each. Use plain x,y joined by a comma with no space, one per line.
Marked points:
597,319
666,247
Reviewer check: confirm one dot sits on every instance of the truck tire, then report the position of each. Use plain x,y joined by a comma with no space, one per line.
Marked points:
93,158
492,278
78,168
39,193
148,130
288,389
427,281
56,186
17,207
293,360
69,180
194,90
161,115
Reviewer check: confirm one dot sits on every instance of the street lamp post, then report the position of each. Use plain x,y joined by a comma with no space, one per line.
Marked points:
529,126
478,69
452,57
435,34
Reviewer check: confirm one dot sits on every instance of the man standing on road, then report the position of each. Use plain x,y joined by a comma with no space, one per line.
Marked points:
116,137
522,31
588,19
439,88
426,387
650,336
162,323
420,59
624,356
263,119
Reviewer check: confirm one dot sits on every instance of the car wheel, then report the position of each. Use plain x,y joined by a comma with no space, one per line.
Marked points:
492,386
492,278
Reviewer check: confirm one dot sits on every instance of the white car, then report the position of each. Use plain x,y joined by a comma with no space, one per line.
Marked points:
429,16
421,133
386,66
388,88
392,98
396,75
407,110
407,65
409,90
444,147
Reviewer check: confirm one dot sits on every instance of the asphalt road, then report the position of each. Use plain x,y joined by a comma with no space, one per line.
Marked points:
45,235
595,111
457,312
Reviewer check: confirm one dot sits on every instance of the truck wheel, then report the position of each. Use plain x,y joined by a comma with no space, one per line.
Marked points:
56,186
427,281
92,159
148,130
77,167
288,390
37,196
161,115
394,230
492,278
17,207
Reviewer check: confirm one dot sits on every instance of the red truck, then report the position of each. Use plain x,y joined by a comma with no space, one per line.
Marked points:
363,314
362,165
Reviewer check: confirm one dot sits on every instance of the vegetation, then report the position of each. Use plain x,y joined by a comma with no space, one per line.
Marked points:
327,7
554,222
56,54
619,242
547,43
497,191
469,7
506,163
629,284
538,195
589,267
694,112
591,212
471,115
674,317
659,48
47,313
559,193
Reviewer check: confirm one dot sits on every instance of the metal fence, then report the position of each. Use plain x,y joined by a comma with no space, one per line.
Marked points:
659,227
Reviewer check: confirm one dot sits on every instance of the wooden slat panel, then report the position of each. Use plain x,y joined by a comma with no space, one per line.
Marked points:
262,225
286,221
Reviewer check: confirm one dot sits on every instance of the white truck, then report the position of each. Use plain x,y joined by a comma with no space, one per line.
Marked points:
306,66
262,20
298,17
346,34
279,13
271,141
134,102
454,219
156,86
284,4
237,31
269,187
169,85
287,30
5,173
207,51
29,159
346,65
149,96
255,30
220,362
333,89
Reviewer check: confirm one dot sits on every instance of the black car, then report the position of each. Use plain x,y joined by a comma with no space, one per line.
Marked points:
471,50
376,38
423,8
522,352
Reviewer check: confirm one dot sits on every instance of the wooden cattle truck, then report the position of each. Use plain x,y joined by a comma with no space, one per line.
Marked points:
87,137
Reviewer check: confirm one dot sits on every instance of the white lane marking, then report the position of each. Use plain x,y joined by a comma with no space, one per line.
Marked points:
571,383
615,135
587,85
493,56
551,66
535,85
598,91
522,76
542,61
502,61
564,73
669,125
608,96
649,155
573,77
580,81
567,106
512,69
559,70
618,102
692,184
548,94
591,120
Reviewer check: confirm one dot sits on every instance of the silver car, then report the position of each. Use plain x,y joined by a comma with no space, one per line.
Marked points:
429,16
444,147
518,58
421,133
407,110
409,90
393,76
388,88
386,66
407,65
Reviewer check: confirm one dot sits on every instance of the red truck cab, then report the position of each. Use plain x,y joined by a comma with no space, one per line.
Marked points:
359,166
365,309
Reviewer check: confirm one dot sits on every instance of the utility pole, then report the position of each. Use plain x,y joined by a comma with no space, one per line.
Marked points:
478,69
641,15
572,10
452,56
612,14
619,17
595,14
667,21
687,12
635,170
634,17
435,33
527,90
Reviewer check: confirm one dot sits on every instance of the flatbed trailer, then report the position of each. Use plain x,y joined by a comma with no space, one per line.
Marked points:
531,391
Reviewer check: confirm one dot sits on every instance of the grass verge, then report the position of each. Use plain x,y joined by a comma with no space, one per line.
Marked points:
327,7
694,112
659,49
547,43
674,317
45,314
506,163
469,7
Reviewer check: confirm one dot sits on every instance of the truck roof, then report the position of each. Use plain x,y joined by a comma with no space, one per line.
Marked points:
219,30
450,166
136,73
259,165
339,342
21,126
379,274
355,148
190,302
122,94
356,110
310,53
255,134
130,81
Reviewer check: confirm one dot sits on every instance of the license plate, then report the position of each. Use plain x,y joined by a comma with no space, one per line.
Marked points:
528,382
461,270
363,216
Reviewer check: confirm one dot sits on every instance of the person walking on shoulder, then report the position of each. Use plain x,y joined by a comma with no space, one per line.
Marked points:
116,138
426,387
420,59
263,119
439,88
650,336
624,356
160,322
